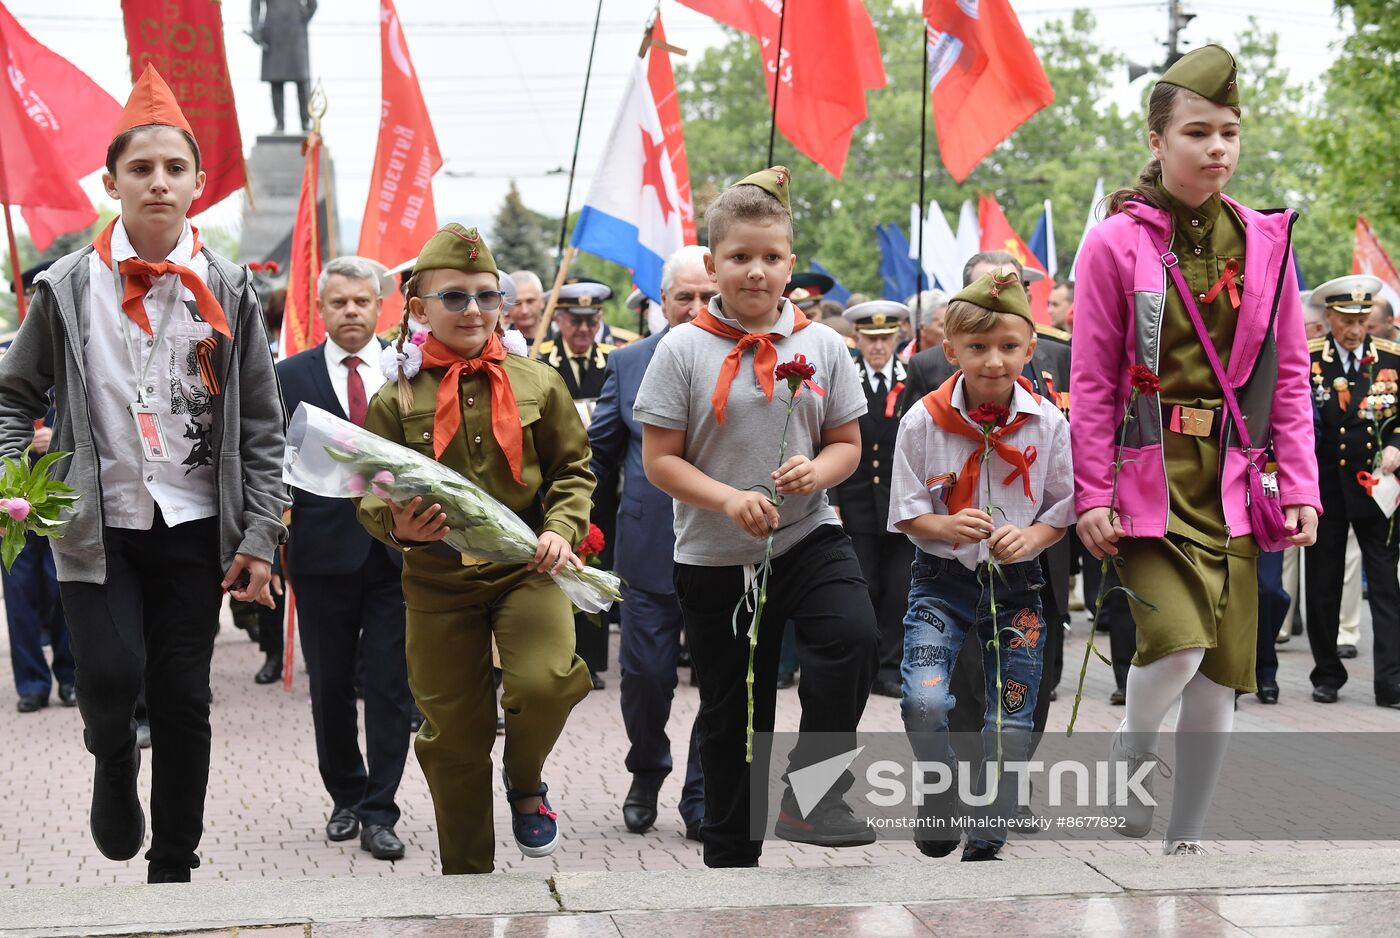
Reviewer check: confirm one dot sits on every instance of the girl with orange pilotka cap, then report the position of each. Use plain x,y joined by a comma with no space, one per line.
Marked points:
167,400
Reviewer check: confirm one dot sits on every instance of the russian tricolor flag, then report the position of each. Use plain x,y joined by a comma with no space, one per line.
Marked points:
632,215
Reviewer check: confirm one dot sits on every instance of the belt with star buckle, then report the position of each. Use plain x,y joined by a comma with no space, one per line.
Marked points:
1191,421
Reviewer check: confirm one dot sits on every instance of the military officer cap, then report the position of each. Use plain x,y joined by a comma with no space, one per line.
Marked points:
636,300
27,277
1352,294
999,291
1208,71
816,285
877,317
583,296
454,247
775,180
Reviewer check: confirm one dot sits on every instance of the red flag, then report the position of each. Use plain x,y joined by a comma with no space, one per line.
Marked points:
185,42
986,78
998,235
668,108
301,327
1368,256
399,216
830,58
48,112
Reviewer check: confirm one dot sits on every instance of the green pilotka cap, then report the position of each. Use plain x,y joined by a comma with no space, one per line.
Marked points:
456,248
1000,291
775,180
1208,71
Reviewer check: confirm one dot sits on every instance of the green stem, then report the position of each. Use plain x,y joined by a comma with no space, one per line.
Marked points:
1105,564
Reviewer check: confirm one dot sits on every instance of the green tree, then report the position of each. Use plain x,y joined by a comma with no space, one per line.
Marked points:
519,238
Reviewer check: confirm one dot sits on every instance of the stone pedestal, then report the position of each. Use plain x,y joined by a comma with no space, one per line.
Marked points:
274,175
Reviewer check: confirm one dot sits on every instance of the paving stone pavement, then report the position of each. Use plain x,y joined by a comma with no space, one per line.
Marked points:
267,809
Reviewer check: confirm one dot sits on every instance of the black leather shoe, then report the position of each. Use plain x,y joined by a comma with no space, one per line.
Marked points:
117,822
343,825
1346,651
28,703
1388,697
598,682
978,854
68,695
381,841
692,831
270,672
1325,694
786,679
639,807
1268,693
893,689
937,848
1118,698
166,873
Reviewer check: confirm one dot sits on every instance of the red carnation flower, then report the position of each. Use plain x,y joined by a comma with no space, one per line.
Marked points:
1144,379
592,544
255,265
990,416
798,373
1368,360
272,267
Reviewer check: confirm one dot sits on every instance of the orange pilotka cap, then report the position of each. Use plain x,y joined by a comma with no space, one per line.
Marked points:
151,102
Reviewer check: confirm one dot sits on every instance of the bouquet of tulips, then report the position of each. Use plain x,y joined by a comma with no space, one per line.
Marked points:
334,458
30,501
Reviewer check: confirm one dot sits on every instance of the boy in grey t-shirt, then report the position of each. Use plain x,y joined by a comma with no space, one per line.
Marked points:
712,429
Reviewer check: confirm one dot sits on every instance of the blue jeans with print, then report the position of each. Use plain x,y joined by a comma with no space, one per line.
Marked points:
946,602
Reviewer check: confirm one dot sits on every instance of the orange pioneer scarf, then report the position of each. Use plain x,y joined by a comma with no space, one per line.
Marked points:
505,415
140,275
948,418
765,356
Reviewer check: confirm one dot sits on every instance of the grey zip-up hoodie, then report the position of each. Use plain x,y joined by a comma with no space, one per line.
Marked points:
248,428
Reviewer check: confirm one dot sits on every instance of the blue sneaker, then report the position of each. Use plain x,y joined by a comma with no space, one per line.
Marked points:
536,833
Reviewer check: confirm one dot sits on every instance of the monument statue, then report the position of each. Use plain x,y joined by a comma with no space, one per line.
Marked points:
279,26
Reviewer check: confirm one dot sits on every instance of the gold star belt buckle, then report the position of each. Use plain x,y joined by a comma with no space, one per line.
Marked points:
1196,421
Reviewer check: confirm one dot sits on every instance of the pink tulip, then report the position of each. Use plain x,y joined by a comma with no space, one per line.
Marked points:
357,485
380,483
18,509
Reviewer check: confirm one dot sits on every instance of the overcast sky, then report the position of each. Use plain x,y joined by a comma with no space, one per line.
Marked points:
503,78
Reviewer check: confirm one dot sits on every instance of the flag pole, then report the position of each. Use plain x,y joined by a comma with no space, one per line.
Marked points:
924,104
321,101
18,276
578,134
777,82
543,328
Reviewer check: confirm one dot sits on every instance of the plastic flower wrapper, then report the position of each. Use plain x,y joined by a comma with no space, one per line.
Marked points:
30,501
334,458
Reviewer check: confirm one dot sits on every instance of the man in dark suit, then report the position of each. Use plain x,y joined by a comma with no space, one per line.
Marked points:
1048,373
651,617
1354,380
864,498
347,585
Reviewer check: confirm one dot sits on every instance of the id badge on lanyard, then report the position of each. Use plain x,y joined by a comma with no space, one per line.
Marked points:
145,418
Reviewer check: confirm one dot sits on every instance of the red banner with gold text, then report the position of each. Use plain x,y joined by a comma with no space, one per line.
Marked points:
184,39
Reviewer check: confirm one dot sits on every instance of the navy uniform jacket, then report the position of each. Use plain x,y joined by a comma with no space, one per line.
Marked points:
325,536
645,537
1346,441
864,498
552,354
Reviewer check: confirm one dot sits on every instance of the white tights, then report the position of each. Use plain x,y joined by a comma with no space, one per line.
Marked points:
1207,712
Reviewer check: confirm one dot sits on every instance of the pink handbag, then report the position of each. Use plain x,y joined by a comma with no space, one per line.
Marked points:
1266,516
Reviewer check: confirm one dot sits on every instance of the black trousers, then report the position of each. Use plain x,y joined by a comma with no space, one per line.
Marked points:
968,685
817,584
154,620
342,617
1326,567
1273,607
884,562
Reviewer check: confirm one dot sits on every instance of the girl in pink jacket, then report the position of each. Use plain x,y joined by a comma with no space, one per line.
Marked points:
1180,524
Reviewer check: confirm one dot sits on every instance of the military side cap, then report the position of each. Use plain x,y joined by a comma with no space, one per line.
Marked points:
456,248
775,180
1352,294
877,317
1208,71
999,291
583,296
